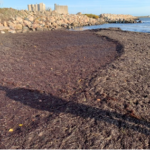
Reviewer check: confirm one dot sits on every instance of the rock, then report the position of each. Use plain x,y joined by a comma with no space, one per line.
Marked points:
45,29
12,31
72,24
79,13
25,29
35,25
39,29
139,21
36,21
69,27
2,32
18,26
19,31
5,24
19,19
46,21
27,23
64,25
3,28
30,18
32,29
49,29
112,18
12,27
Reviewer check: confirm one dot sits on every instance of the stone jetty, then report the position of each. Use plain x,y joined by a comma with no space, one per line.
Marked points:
118,18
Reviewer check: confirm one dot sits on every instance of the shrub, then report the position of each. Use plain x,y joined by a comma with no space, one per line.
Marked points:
92,16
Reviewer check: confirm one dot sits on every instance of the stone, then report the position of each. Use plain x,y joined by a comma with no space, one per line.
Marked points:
3,32
113,18
64,25
39,29
11,27
27,23
31,29
12,31
5,24
14,22
139,21
36,21
4,28
25,29
19,31
79,13
19,19
18,26
30,18
35,25
1,25
45,29
69,27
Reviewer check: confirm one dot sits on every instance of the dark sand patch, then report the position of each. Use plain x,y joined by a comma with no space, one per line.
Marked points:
56,85
40,73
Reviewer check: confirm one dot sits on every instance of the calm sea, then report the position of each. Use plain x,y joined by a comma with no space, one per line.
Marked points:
136,27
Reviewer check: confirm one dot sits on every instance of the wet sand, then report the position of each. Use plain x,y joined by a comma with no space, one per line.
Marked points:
75,90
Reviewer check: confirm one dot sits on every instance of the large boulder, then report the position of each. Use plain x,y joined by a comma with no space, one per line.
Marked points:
1,25
12,31
79,13
19,19
25,29
5,24
30,18
3,28
2,32
18,26
27,23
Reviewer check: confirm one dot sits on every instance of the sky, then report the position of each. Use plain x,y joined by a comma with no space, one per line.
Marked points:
132,7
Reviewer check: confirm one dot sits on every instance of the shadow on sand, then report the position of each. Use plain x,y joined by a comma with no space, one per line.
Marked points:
57,105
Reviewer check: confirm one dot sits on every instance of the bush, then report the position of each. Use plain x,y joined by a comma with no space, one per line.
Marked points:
92,16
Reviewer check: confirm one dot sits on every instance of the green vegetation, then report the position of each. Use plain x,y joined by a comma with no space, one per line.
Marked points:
92,16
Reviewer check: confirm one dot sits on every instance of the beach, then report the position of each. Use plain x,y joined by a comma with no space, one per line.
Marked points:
62,89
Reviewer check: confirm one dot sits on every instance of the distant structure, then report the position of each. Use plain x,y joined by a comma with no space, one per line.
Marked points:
61,9
36,7
41,7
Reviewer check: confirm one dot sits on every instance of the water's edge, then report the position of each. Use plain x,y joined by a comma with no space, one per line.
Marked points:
135,27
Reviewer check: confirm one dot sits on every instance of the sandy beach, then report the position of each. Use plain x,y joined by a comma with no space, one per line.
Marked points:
69,90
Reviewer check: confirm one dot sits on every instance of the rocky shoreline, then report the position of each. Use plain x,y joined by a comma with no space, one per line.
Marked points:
21,21
27,21
118,18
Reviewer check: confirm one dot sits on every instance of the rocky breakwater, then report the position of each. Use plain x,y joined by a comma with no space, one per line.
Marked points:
117,18
26,21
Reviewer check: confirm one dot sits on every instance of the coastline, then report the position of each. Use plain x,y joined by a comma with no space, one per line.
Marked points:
110,107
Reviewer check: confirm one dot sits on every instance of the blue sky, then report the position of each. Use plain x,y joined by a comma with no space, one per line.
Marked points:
133,7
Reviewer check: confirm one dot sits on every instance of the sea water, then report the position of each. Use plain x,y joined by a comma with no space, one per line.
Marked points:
136,27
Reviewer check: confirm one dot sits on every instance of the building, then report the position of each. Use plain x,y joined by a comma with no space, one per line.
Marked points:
61,9
36,7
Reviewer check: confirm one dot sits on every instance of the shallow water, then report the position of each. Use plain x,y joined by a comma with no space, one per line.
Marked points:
136,27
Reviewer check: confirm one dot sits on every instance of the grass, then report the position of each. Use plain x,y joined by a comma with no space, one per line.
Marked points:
92,16
7,13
